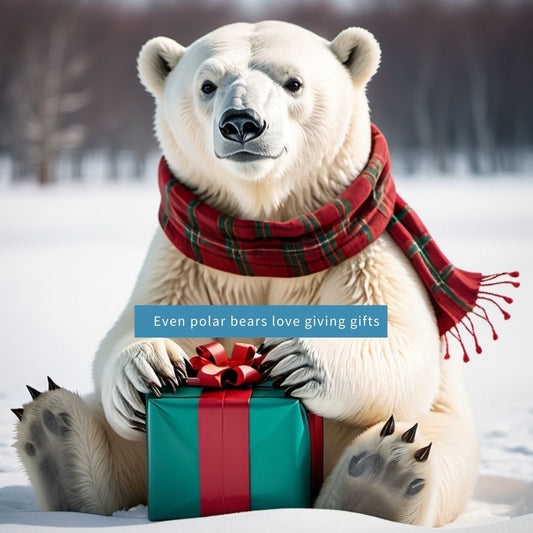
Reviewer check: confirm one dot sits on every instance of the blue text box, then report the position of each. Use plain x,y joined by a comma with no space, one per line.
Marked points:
220,321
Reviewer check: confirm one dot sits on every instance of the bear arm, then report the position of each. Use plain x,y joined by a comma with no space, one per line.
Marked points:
369,379
364,381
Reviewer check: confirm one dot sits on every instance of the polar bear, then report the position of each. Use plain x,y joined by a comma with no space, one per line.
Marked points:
269,121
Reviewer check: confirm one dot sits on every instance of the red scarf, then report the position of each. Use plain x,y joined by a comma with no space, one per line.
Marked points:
325,237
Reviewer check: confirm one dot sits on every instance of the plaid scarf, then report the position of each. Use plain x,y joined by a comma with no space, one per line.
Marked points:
325,237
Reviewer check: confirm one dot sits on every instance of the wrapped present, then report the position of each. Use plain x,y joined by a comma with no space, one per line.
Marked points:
223,450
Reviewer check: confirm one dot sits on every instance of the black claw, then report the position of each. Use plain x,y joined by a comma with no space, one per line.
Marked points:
137,426
388,428
180,374
409,435
289,390
276,384
34,392
264,348
285,375
267,367
156,392
189,370
18,412
171,382
423,454
139,414
51,384
297,386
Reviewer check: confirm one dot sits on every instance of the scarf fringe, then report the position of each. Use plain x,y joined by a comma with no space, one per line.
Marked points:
481,312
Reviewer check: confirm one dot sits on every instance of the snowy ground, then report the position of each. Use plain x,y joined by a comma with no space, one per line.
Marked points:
69,257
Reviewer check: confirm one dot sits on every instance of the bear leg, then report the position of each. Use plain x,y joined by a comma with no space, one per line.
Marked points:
412,473
73,459
383,473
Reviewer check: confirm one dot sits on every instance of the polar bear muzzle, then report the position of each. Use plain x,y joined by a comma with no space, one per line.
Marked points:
249,119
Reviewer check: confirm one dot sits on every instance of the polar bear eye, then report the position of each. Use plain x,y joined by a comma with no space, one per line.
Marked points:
293,85
208,87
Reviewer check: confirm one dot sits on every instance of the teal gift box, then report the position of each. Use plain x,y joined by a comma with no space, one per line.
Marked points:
221,451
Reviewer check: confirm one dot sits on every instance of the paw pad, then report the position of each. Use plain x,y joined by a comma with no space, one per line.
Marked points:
58,425
365,464
415,487
29,448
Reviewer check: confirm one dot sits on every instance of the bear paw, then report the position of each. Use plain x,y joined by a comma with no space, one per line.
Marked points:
293,368
141,367
385,472
51,432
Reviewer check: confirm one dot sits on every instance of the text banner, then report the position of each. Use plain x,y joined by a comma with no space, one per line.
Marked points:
222,321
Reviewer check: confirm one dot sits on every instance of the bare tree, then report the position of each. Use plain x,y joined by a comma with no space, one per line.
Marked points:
43,100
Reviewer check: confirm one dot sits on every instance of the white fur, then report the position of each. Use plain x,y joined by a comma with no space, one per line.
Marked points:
325,134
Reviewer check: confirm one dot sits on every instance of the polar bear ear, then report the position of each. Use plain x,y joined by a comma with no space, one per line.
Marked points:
156,59
358,50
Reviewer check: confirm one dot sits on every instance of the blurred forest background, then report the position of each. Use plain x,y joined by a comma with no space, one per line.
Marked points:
453,93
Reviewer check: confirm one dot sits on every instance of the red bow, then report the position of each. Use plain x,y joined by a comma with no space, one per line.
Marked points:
215,369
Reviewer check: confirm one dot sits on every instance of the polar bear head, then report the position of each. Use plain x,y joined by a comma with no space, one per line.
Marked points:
264,120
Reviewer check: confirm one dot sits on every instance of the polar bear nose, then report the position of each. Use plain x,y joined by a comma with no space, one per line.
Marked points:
241,125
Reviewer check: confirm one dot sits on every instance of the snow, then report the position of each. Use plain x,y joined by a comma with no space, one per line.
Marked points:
69,258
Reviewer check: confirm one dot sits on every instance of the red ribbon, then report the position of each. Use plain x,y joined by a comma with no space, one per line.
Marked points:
216,370
316,435
224,452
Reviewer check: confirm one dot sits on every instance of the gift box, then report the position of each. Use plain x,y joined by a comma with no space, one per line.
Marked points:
215,451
